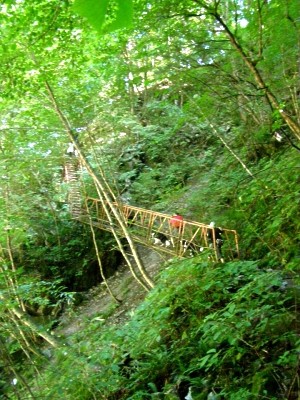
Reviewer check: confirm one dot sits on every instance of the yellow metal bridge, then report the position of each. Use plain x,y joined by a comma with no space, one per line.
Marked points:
143,225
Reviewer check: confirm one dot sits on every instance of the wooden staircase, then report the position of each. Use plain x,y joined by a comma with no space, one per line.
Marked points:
71,177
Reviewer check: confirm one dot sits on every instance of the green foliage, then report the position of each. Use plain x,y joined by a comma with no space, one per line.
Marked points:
99,13
226,328
271,209
156,91
155,185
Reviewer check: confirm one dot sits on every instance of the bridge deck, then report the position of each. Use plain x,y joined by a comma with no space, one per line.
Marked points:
191,238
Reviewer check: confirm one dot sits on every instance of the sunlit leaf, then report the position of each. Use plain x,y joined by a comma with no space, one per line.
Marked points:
93,10
105,16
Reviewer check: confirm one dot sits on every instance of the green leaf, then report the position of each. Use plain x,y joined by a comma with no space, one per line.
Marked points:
211,351
93,10
124,16
98,13
184,335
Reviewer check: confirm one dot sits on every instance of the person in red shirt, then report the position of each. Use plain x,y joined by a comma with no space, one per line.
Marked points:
176,222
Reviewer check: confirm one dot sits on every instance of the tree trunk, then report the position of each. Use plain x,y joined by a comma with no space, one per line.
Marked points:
28,321
101,184
295,128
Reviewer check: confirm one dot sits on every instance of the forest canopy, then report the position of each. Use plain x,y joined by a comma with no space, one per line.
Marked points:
166,105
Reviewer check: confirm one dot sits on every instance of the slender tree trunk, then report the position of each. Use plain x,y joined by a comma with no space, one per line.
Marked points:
121,248
10,278
19,334
101,184
110,220
295,128
261,84
99,257
28,321
231,151
4,355
216,133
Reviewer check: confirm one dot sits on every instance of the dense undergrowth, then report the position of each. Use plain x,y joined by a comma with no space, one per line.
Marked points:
226,331
205,182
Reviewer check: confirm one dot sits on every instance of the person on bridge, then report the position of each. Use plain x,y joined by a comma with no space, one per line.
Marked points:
176,222
215,239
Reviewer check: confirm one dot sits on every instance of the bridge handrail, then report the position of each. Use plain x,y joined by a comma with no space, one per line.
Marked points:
191,232
157,213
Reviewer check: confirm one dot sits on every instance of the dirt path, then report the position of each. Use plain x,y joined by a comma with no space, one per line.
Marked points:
98,303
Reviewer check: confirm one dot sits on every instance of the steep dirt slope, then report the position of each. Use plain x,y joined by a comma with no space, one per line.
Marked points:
99,304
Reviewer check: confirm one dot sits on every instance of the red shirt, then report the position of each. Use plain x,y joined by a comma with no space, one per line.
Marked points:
176,221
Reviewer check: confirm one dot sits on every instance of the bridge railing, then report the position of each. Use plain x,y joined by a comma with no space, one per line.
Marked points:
189,239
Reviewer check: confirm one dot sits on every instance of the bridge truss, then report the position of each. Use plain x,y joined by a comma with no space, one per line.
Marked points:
189,240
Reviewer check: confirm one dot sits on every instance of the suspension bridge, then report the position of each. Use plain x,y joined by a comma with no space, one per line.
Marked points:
189,239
